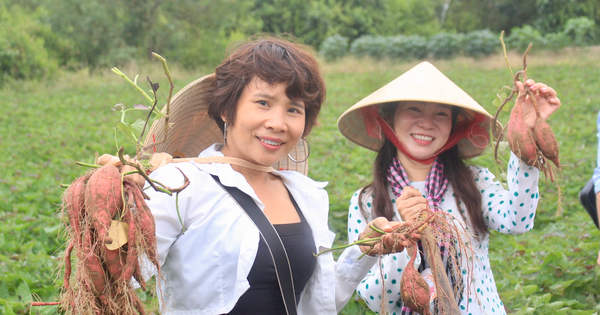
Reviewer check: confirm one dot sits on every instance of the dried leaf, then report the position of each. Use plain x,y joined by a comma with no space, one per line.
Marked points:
118,233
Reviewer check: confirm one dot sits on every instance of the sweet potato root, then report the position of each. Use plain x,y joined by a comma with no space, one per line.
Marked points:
414,290
67,260
520,137
113,261
103,199
127,271
146,225
92,264
546,141
74,201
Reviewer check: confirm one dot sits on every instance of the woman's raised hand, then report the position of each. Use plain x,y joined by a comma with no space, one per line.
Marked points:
411,201
547,101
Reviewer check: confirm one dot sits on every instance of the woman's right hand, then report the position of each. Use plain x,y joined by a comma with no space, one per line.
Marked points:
390,242
114,160
157,160
411,201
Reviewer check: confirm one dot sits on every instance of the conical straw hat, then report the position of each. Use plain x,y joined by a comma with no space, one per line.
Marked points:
192,130
422,83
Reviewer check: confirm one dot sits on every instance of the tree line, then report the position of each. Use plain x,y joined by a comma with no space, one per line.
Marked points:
37,37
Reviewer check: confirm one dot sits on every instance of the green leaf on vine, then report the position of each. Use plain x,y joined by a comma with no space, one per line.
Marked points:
498,101
502,97
127,130
131,131
137,127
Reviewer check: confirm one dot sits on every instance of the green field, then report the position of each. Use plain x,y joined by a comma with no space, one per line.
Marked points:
46,126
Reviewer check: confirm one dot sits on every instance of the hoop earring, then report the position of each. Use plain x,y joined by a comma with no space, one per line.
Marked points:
225,133
305,159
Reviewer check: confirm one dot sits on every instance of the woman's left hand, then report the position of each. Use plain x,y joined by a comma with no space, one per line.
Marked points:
547,101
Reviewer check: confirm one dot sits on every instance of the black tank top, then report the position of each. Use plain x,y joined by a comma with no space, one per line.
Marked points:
264,297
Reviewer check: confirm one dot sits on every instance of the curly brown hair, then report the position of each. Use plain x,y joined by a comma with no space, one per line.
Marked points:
275,60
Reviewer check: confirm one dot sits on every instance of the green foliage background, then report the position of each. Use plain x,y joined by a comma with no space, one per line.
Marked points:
48,126
39,36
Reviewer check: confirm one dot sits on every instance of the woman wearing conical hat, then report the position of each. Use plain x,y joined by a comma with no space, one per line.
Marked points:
424,128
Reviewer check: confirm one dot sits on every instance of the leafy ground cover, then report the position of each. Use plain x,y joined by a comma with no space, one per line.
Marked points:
46,127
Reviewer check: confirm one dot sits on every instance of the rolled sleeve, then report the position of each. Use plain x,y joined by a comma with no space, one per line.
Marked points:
510,211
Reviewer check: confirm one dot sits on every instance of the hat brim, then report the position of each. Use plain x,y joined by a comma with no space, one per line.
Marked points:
191,130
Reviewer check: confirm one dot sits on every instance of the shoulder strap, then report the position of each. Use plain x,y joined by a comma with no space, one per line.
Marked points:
274,244
227,160
587,197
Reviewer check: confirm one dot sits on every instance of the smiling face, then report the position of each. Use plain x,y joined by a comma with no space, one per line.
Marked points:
422,127
268,125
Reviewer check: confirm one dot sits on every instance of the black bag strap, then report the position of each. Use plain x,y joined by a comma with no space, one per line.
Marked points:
274,244
587,197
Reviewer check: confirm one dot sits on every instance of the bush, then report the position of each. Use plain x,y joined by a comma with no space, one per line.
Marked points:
372,46
480,43
94,28
581,31
334,47
407,47
445,45
59,47
556,41
360,46
22,53
203,48
520,37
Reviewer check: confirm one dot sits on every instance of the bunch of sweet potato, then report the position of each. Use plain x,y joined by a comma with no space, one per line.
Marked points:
534,147
435,229
102,282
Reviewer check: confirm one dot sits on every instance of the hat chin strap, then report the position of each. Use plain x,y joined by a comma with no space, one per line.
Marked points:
470,129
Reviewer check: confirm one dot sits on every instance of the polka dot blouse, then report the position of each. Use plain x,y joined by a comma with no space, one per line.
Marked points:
509,211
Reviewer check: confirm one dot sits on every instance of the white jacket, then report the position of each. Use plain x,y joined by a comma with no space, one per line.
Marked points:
205,269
